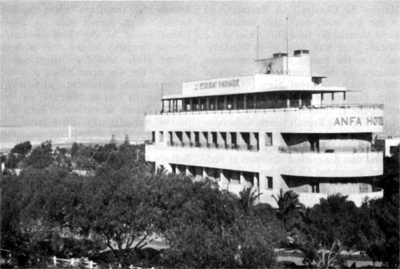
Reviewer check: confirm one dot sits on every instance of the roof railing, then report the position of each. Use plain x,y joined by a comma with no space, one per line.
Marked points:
266,110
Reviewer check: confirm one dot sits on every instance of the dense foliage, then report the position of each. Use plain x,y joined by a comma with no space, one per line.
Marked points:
50,209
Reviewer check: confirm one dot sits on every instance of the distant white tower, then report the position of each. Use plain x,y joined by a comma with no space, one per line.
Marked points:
69,131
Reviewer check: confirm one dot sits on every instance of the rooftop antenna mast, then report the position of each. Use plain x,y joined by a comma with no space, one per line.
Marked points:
257,42
162,93
287,45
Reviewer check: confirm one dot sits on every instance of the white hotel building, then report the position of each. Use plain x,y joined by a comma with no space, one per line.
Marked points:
278,129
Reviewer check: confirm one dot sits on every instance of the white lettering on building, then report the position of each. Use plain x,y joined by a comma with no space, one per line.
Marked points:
217,84
375,121
354,121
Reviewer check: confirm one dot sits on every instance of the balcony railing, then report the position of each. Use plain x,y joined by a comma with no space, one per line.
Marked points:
310,199
244,147
304,150
266,110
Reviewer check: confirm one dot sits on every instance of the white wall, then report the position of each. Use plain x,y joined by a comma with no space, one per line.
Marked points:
326,120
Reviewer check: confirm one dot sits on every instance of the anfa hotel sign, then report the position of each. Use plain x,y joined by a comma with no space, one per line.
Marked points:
354,121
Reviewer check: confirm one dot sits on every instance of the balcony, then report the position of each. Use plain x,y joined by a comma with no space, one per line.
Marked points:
324,119
311,199
331,162
243,147
318,150
213,155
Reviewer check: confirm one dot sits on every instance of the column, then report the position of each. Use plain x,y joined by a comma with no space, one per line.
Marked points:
225,103
287,100
240,141
208,103
229,140
186,138
183,104
242,179
223,178
245,101
188,172
235,102
220,139
203,139
300,101
175,138
192,139
191,104
210,140
322,98
254,141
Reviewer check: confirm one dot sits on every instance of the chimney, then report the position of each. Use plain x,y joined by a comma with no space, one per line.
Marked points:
279,55
301,53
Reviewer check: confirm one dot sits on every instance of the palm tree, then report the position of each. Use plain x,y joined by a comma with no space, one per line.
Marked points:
288,207
247,198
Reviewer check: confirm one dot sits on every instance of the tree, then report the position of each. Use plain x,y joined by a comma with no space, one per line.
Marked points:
290,211
74,149
60,156
126,141
390,179
12,161
17,156
116,208
332,226
104,152
85,158
380,217
380,224
35,206
113,140
248,198
22,148
207,228
247,243
41,156
126,155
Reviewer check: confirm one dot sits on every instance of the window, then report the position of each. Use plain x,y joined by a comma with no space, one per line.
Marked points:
153,137
270,182
268,139
363,188
161,136
173,166
217,174
315,188
392,149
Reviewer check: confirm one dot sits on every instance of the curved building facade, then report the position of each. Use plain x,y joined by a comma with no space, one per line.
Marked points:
278,129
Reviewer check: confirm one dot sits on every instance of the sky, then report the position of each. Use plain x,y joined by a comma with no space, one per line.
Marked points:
101,64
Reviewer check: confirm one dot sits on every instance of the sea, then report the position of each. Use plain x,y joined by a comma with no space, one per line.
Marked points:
10,136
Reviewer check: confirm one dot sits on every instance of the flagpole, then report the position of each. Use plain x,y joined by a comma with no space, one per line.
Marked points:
287,46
